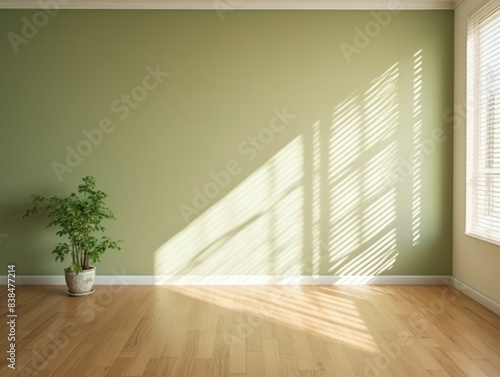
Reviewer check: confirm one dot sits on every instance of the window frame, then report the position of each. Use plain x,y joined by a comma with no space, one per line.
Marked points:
478,149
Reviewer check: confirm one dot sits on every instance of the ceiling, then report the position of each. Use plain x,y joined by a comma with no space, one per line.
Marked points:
233,4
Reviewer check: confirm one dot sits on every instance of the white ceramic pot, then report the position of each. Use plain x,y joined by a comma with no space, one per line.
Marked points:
80,284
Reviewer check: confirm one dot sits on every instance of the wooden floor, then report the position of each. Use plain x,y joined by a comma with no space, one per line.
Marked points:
291,331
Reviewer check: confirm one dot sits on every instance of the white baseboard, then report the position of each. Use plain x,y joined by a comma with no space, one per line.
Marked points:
241,280
474,294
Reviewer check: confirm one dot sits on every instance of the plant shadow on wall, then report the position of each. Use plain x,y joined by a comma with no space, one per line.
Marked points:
343,198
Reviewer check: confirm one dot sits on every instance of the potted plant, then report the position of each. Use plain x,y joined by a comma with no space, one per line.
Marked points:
78,217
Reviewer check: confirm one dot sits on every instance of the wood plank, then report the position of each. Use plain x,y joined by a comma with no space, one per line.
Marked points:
223,331
340,360
203,368
221,361
78,354
255,364
303,351
272,365
289,365
160,367
238,352
254,333
466,364
119,368
321,357
144,355
185,362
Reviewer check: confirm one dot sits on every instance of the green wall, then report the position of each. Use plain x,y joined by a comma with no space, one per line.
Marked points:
336,146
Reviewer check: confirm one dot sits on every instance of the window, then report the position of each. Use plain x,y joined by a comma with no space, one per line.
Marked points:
483,123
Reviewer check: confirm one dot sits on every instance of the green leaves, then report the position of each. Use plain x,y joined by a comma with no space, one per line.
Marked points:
78,217
61,251
76,268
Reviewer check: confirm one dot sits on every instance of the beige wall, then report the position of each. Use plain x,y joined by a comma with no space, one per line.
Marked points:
476,263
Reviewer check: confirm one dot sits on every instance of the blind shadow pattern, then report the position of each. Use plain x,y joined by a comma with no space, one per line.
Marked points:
342,198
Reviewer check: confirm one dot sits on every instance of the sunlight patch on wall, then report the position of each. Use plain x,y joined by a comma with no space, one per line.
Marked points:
335,201
256,229
317,243
362,145
417,147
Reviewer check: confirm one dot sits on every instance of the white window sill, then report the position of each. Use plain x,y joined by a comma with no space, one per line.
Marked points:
484,239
